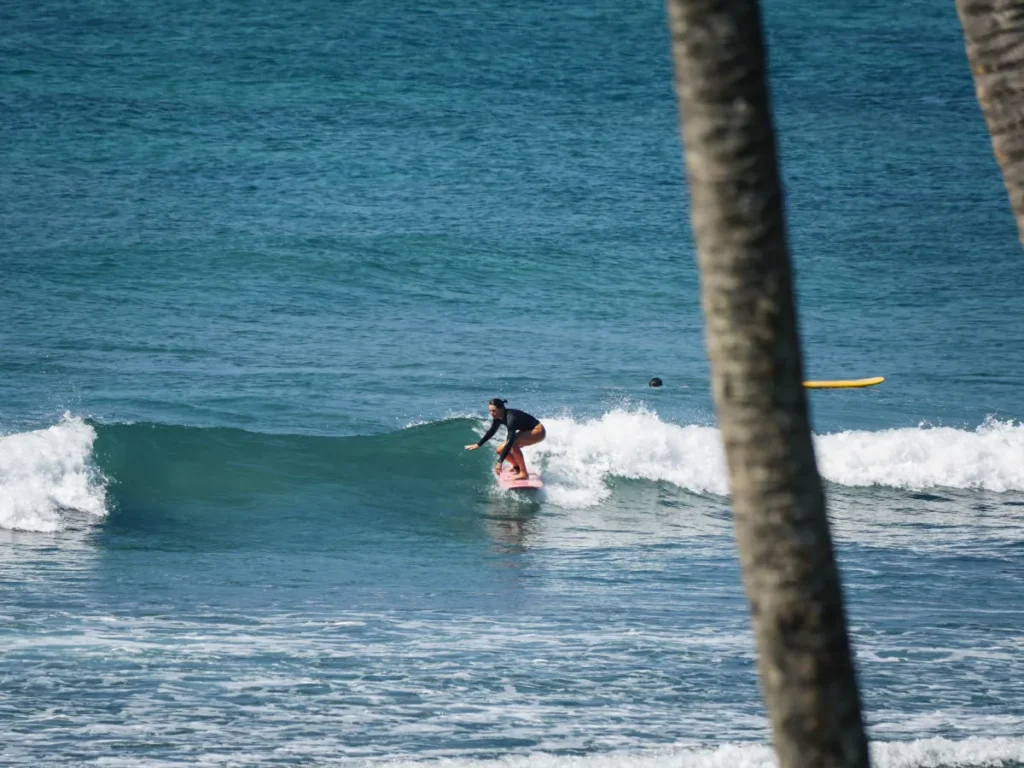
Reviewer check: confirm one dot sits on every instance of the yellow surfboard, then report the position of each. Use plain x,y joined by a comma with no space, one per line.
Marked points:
844,384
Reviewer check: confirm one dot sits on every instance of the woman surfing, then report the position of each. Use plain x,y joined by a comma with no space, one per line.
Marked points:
523,429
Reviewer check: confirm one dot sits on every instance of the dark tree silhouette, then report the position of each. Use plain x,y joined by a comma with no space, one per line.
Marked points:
782,531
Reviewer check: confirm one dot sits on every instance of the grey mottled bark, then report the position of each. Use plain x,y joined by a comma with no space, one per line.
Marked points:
790,575
994,34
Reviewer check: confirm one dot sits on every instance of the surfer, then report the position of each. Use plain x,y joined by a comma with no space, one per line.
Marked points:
523,429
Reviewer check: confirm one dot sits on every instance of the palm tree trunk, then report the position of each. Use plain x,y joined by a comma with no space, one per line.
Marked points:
782,532
994,33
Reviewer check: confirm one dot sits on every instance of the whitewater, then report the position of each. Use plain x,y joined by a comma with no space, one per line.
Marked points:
48,472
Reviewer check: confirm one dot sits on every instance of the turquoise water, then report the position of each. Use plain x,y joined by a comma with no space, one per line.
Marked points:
262,268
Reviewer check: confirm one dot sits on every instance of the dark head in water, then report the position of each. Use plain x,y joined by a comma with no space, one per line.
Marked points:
655,382
496,407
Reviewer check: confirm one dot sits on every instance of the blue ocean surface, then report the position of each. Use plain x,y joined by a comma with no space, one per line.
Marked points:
263,264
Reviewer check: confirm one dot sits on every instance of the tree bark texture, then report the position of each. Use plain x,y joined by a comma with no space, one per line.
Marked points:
994,35
789,571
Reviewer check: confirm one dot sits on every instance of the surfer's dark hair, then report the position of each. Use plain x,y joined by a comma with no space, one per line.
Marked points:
498,402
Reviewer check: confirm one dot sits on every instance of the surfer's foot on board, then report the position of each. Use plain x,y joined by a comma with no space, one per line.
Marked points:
520,474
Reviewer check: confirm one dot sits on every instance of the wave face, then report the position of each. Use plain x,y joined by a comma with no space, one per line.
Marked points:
76,466
214,463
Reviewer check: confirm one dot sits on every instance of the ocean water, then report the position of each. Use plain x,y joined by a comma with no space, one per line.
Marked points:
262,266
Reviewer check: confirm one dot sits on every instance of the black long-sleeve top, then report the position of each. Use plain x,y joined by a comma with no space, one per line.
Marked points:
515,421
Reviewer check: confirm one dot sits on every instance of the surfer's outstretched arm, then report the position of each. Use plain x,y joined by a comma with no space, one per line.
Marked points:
487,436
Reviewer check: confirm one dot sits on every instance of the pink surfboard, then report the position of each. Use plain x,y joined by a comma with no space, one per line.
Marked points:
533,483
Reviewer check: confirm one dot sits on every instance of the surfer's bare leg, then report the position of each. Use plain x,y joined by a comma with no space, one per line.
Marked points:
518,462
534,436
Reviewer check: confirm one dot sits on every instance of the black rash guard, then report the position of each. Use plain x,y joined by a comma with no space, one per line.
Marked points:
515,421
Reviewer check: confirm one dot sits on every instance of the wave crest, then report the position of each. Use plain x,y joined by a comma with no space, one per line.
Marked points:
46,472
579,457
49,471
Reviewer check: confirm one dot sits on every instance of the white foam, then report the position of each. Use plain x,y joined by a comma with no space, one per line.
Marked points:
46,471
416,708
920,753
990,457
934,752
579,457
